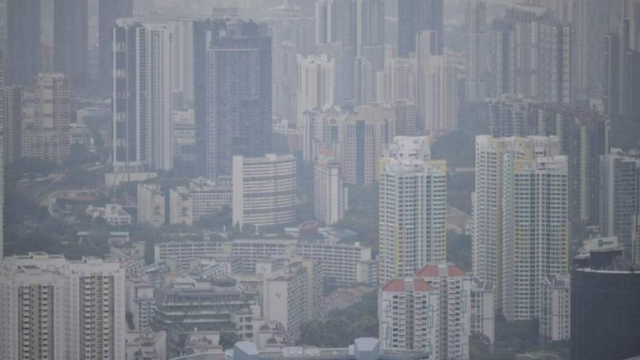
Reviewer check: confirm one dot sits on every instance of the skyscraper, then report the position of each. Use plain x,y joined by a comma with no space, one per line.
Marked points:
619,197
412,201
12,127
415,16
238,96
330,193
363,136
49,138
535,227
492,169
440,96
63,309
142,97
23,58
476,62
316,83
370,30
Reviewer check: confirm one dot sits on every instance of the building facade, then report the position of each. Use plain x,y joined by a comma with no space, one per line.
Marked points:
412,201
151,205
264,190
330,194
54,308
316,83
555,308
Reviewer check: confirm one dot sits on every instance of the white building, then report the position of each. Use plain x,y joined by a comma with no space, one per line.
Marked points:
397,82
408,315
293,296
113,214
413,205
440,95
151,205
555,308
535,241
330,193
491,154
180,206
182,63
140,302
454,289
483,312
316,83
264,190
202,197
184,135
142,96
146,345
53,308
343,263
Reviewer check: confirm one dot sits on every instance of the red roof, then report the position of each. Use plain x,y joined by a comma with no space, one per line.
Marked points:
422,285
396,285
430,271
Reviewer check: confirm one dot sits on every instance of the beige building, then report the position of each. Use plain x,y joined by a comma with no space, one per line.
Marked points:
330,193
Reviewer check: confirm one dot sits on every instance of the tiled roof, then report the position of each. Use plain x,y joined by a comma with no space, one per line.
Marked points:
433,271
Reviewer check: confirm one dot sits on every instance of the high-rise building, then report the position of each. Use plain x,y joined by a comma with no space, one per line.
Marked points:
370,32
2,164
426,50
23,56
397,82
412,201
62,309
364,79
619,197
440,102
182,64
293,295
142,97
454,289
330,193
49,138
530,55
12,126
535,231
238,96
476,61
406,118
316,84
483,312
621,83
415,16
364,135
555,308
604,310
264,190
321,128
418,325
491,171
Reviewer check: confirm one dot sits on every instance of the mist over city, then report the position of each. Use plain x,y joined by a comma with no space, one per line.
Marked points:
319,179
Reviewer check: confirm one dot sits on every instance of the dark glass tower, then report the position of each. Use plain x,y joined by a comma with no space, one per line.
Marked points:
23,59
605,316
415,16
238,96
71,40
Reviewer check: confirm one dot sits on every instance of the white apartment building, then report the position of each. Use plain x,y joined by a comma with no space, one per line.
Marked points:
477,54
184,135
180,206
408,315
454,289
202,197
535,227
316,83
330,193
113,214
397,82
413,205
363,136
53,308
343,263
483,312
151,205
440,95
293,296
320,128
140,302
491,154
555,308
264,190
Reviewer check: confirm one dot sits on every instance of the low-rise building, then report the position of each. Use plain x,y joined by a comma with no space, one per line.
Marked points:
140,303
151,205
113,214
202,197
146,345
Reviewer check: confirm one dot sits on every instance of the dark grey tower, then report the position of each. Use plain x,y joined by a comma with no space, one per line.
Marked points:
23,58
71,40
415,16
238,96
